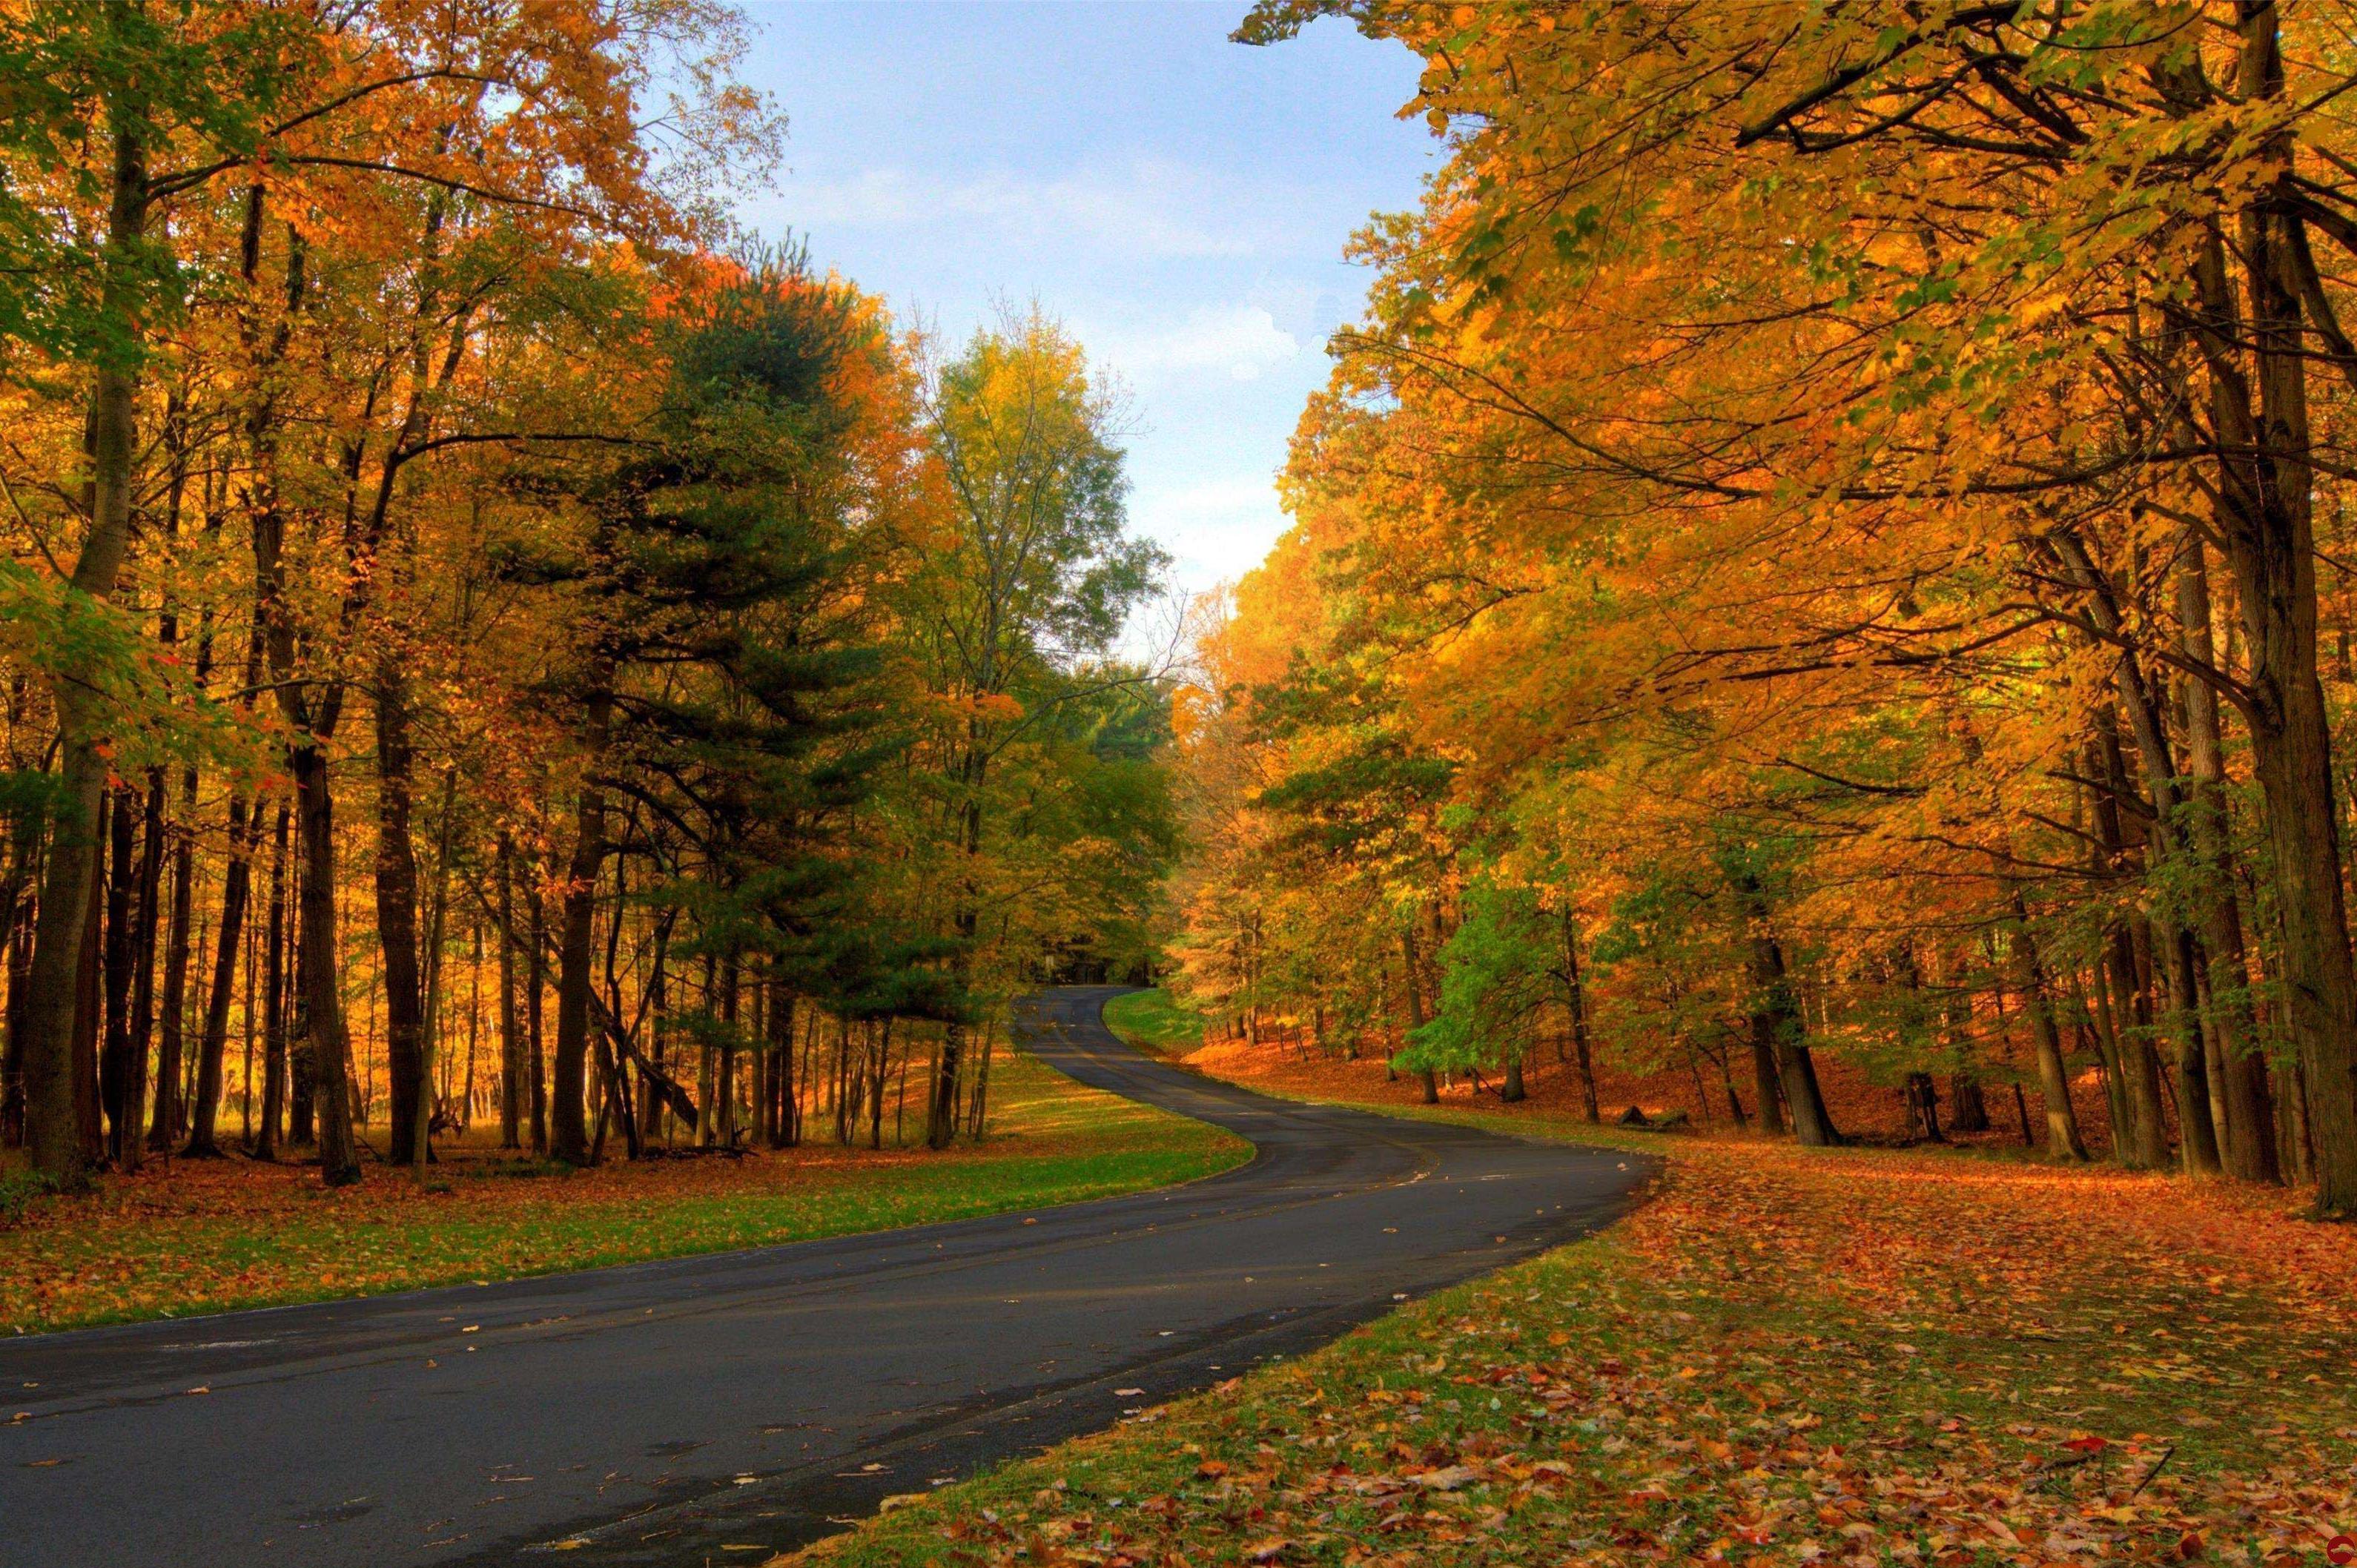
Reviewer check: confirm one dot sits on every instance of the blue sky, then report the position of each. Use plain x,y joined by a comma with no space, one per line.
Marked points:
1181,202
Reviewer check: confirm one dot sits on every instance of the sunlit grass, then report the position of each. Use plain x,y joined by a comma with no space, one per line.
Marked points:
219,1235
1156,1021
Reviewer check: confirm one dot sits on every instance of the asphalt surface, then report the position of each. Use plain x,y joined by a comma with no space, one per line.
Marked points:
680,1413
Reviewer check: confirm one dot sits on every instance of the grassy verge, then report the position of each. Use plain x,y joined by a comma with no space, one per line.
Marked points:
1860,1356
1154,1021
211,1237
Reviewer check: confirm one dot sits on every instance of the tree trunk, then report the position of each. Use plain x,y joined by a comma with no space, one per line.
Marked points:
172,1015
1431,1083
568,1123
511,1071
2175,944
1776,1026
275,998
89,1011
146,918
2197,1132
1576,993
412,1096
323,1007
115,1069
54,1132
2062,1141
785,1122
2145,1145
2263,504
535,990
1967,1104
2249,1125
236,883
941,1103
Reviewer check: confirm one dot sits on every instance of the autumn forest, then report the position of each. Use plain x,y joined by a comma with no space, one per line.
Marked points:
465,612
1801,724
1810,560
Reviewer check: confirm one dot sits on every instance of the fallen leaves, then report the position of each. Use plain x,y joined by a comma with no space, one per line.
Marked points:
1859,1358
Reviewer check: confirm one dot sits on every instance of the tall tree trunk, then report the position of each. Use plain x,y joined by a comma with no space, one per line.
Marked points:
535,991
2062,1140
2265,507
25,835
236,884
1576,995
2197,1129
168,1104
171,1039
512,1068
941,1103
2249,1131
323,1007
1776,1026
54,1133
2146,1145
1414,992
785,1123
396,918
89,1013
275,989
2175,944
115,1068
569,1126
147,893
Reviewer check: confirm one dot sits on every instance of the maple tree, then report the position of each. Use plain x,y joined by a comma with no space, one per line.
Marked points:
484,637
1842,506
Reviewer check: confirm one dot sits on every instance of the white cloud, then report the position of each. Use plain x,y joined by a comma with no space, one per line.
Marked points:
1150,207
1216,530
1243,340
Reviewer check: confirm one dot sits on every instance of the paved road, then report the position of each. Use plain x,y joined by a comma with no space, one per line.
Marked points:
661,1413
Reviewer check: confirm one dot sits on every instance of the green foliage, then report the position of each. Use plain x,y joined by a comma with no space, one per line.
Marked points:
203,78
1498,977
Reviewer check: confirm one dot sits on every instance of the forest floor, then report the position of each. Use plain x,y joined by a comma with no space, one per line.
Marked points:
1861,1356
216,1235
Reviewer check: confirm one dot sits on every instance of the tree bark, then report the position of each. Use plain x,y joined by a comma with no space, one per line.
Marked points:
535,990
568,1121
2174,943
2062,1140
2265,488
115,1068
54,1134
171,1039
1776,1028
147,896
2249,1132
274,1001
1575,993
511,1069
236,884
323,1007
412,1097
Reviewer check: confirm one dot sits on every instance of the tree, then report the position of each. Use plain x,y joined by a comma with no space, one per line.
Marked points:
1033,577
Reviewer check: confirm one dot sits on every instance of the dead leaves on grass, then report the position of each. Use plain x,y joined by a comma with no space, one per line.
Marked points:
1786,1359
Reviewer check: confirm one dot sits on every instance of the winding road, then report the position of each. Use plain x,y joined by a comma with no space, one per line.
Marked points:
686,1412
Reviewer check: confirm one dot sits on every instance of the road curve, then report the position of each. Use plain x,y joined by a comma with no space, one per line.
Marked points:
661,1413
